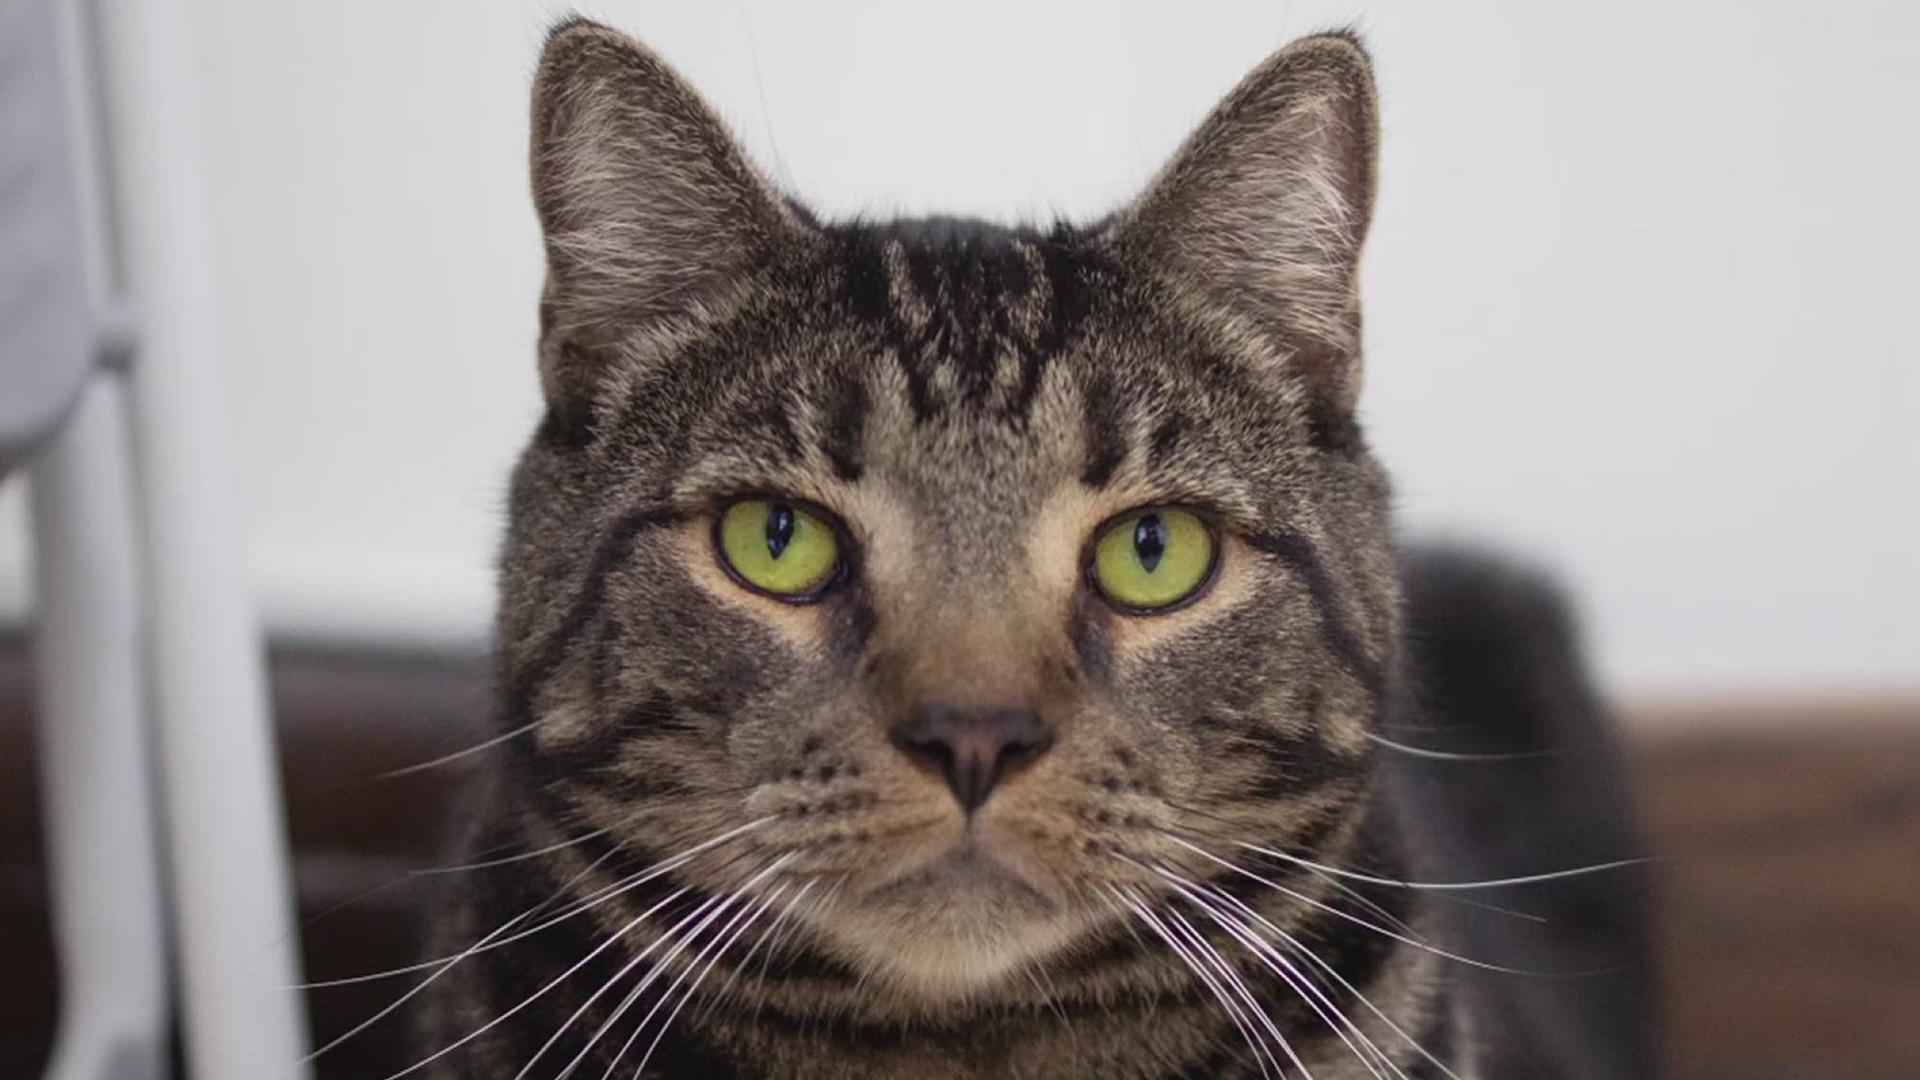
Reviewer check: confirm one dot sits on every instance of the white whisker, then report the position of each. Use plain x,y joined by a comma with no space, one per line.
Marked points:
1441,886
1295,980
705,911
1349,917
448,759
441,966
1048,997
1397,923
1239,985
530,998
506,859
487,942
1261,1055
1300,947
722,942
786,912
824,901
1366,902
587,903
1448,755
719,906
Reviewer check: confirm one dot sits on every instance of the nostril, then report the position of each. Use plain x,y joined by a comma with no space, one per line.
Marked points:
973,749
1021,732
924,748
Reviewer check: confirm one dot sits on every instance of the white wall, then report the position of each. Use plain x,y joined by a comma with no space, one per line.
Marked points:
1640,288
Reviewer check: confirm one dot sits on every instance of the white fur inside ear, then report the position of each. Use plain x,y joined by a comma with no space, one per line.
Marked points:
1262,213
649,207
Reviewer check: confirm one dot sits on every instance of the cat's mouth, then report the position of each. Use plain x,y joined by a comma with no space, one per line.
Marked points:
955,923
966,872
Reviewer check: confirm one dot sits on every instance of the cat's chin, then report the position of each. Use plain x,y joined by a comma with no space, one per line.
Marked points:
954,928
962,964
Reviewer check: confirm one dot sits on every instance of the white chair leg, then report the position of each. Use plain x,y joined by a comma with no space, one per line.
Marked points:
95,771
225,846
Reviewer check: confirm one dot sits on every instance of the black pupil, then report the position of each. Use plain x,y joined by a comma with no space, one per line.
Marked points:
1150,541
779,529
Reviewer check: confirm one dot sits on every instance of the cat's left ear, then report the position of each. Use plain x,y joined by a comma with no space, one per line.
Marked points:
650,210
1261,214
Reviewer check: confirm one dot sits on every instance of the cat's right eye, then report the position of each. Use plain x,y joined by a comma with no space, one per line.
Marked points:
777,547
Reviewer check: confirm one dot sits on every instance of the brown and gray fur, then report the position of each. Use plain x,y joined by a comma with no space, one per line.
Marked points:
970,402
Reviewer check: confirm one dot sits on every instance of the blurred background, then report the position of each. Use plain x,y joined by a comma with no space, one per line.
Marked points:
1638,307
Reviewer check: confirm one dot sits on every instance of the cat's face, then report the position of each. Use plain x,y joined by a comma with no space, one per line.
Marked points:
977,571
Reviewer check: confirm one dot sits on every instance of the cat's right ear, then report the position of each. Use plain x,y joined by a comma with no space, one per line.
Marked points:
649,209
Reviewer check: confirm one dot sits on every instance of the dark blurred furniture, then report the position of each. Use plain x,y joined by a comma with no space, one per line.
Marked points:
1790,924
1790,920
345,717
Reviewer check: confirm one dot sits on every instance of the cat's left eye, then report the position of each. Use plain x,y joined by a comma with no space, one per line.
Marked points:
777,547
1154,560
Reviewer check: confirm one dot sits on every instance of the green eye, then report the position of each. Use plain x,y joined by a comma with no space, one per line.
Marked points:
778,547
1154,559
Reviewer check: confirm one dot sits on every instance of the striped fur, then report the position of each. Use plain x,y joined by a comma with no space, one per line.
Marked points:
971,401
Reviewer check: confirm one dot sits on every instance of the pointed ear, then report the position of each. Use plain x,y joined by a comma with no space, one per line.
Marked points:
648,207
1262,212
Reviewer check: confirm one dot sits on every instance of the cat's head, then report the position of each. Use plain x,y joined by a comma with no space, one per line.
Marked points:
980,571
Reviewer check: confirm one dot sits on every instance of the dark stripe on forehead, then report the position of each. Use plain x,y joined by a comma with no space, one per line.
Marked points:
840,436
1068,268
769,424
968,312
1018,277
919,385
1105,436
923,273
1166,440
961,301
968,280
870,285
1292,549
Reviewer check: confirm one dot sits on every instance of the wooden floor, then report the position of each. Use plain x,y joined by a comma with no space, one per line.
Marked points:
1789,843
1790,900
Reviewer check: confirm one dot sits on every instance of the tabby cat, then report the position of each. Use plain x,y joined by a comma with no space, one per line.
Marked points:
930,649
